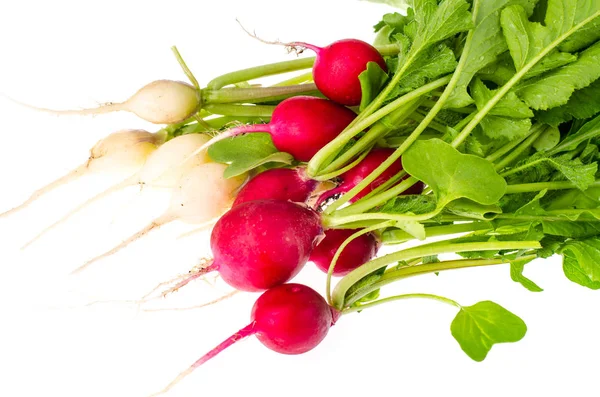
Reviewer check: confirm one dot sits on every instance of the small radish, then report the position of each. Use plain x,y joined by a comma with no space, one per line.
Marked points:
121,152
259,244
355,175
278,184
159,102
300,125
163,168
356,253
288,319
201,195
338,66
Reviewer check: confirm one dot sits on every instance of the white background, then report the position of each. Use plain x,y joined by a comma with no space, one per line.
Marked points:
67,54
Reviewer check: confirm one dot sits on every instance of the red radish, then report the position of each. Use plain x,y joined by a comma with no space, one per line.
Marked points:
121,152
159,102
272,242
338,66
356,253
288,319
300,125
356,174
278,184
259,244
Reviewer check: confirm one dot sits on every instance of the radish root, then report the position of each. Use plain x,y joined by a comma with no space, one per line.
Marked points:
151,226
238,336
205,266
115,188
63,180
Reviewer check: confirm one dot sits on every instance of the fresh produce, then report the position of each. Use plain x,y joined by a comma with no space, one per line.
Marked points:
476,118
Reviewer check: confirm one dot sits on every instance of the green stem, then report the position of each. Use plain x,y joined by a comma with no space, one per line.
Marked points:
341,249
366,204
417,116
335,221
539,186
540,218
333,147
303,78
416,252
525,145
511,145
400,297
516,78
339,172
240,110
260,71
395,274
377,130
256,94
396,236
185,68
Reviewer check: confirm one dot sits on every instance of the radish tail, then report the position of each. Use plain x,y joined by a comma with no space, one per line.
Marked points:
241,334
151,226
182,280
115,188
63,180
105,108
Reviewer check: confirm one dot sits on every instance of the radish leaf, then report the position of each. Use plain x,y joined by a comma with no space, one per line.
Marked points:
477,328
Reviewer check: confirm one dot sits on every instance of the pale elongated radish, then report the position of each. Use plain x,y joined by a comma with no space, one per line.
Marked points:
123,151
163,168
201,195
159,102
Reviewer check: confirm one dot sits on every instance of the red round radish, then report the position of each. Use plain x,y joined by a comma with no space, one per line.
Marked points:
300,125
338,66
355,175
288,318
357,252
260,244
292,318
278,184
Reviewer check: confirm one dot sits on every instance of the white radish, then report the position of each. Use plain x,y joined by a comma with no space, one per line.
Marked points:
163,168
201,195
160,102
123,151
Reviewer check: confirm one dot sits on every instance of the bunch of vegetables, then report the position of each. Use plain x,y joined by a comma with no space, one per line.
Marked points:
479,117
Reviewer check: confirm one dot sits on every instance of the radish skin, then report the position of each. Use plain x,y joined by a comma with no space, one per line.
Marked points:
288,319
357,252
123,151
278,184
159,102
163,168
201,195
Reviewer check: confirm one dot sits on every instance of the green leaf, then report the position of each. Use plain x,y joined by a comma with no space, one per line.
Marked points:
435,23
509,119
372,81
583,104
581,262
415,229
477,328
572,229
471,209
547,140
487,44
556,87
527,41
516,274
413,204
434,62
246,152
589,130
453,175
